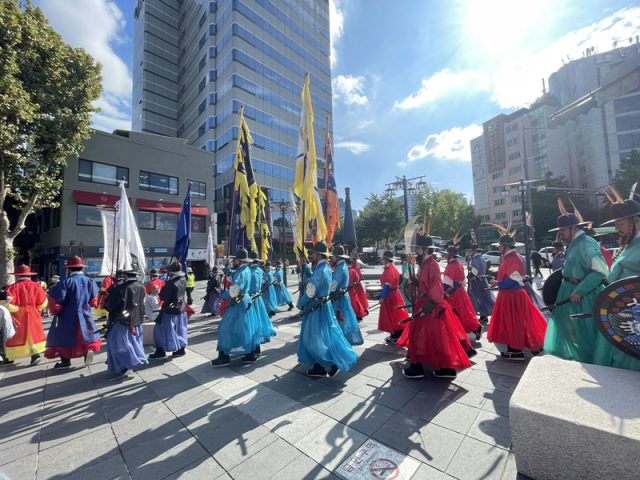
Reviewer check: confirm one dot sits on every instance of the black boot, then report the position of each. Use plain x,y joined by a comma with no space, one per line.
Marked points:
35,359
478,332
179,353
63,363
484,319
414,372
290,307
222,360
333,371
257,352
471,353
444,373
513,354
393,338
317,371
158,354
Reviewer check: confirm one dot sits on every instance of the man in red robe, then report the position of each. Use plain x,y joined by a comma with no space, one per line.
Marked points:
390,298
354,282
457,296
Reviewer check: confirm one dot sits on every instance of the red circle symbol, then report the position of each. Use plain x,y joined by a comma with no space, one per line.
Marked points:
382,468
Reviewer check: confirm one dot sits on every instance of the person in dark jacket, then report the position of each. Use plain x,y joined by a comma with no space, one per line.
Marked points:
536,261
125,304
170,331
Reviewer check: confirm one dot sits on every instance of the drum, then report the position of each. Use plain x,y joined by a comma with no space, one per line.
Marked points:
551,287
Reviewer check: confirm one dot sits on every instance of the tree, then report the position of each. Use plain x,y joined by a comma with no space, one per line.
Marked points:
381,220
46,94
628,173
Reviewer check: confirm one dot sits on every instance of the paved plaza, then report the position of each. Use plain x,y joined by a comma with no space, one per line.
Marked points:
184,419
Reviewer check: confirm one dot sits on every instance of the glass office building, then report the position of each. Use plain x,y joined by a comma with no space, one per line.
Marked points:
197,62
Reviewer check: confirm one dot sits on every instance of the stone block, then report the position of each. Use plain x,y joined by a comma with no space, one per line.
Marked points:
573,420
147,332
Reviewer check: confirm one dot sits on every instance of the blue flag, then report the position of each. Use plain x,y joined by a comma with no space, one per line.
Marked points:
183,232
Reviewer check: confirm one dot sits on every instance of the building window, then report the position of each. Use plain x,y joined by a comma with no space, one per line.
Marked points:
515,199
154,182
198,189
497,175
146,220
500,201
88,215
500,215
95,172
166,221
516,213
198,223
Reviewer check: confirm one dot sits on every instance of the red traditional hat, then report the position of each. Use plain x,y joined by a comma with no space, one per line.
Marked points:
23,271
74,262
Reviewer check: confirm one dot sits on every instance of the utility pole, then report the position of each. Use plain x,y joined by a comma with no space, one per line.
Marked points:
527,251
405,184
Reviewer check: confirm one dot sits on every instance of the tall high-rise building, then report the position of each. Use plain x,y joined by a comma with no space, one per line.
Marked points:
197,62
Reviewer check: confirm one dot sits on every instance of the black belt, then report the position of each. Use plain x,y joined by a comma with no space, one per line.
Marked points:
574,281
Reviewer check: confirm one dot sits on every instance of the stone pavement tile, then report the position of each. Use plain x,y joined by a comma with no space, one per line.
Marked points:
202,469
270,406
389,395
492,428
112,468
252,396
512,369
398,430
351,382
158,458
167,388
61,429
144,429
304,467
485,364
296,424
70,457
16,451
511,471
22,469
262,372
497,402
435,445
358,413
246,445
266,463
197,399
233,386
211,416
330,443
457,417
427,404
472,395
240,431
287,363
139,394
425,472
477,460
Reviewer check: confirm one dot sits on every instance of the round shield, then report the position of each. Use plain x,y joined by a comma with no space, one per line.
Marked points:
551,287
616,312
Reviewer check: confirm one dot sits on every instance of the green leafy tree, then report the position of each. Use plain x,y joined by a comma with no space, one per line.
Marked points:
381,221
628,173
46,94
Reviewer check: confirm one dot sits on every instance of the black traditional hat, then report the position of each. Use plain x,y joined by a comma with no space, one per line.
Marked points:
243,256
321,248
338,251
507,234
388,255
452,249
558,245
621,209
153,272
507,240
174,267
424,241
127,272
568,219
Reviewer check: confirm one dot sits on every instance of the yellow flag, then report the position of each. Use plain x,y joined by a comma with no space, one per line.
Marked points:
245,183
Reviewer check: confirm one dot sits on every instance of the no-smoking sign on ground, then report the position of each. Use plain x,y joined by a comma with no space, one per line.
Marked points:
373,461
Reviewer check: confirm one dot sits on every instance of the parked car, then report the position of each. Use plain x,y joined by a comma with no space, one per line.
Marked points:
493,257
547,255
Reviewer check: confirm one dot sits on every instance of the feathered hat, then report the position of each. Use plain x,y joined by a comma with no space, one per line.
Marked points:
507,234
622,208
568,219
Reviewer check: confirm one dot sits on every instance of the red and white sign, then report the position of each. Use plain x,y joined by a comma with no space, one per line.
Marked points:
374,461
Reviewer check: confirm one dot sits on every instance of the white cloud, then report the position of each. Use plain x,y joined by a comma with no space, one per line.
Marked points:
350,89
452,144
97,25
336,19
445,83
354,147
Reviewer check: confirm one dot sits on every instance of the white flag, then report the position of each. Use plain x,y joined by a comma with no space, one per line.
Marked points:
211,249
128,238
108,226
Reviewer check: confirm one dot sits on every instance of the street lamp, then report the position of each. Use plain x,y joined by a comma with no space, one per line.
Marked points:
405,185
283,209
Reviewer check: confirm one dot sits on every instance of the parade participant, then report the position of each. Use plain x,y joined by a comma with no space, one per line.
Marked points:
212,300
515,322
583,272
340,298
282,293
125,304
322,343
267,329
239,329
152,303
191,284
605,253
407,280
478,286
390,298
456,296
170,333
626,218
354,280
7,329
27,300
73,333
558,256
269,292
358,289
154,279
433,336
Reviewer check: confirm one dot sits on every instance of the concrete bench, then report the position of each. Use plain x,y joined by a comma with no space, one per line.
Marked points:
147,332
373,291
573,420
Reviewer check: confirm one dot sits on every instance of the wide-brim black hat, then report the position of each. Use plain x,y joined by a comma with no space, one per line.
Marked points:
568,220
243,256
507,241
127,272
621,211
423,241
388,254
338,251
321,248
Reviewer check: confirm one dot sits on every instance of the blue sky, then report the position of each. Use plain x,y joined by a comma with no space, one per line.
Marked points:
413,79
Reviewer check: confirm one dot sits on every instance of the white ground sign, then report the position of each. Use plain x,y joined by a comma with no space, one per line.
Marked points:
374,461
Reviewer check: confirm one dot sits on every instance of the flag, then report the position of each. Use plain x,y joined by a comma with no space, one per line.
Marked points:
245,185
183,232
331,207
129,245
211,250
108,217
265,232
305,182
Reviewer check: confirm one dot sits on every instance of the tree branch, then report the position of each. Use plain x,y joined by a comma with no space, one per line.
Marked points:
20,224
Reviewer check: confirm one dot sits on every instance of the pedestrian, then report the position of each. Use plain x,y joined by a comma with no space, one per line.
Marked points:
608,258
408,280
392,310
456,295
282,293
154,279
7,330
354,281
536,261
267,330
73,332
515,322
239,329
191,285
170,333
340,297
28,299
269,294
626,218
321,344
557,260
478,287
152,303
583,272
125,304
212,300
433,337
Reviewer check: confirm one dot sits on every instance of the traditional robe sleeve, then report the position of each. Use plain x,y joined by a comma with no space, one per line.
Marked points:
592,256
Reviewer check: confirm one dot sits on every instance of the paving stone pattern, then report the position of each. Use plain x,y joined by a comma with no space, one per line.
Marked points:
183,419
